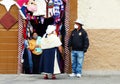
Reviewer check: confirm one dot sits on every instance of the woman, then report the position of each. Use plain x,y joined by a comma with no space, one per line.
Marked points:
50,59
35,47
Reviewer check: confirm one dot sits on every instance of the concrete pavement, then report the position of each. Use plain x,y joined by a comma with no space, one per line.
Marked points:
61,79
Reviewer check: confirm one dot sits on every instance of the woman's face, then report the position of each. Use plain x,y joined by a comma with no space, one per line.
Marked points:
35,36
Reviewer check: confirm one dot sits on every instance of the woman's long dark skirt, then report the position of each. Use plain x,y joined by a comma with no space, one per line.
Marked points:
36,63
47,60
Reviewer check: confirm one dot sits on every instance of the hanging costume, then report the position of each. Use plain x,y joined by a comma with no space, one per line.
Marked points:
58,13
40,24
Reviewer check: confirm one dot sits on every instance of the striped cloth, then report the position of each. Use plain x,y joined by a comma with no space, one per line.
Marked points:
67,52
20,42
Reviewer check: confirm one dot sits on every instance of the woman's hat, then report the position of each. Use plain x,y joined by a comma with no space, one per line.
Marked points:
50,29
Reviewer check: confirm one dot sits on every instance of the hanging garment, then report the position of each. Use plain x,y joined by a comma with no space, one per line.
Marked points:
23,11
40,24
58,7
29,29
41,8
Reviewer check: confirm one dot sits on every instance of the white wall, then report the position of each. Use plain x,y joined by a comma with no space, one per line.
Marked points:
100,14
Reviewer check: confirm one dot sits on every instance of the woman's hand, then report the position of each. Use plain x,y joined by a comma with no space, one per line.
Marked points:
60,49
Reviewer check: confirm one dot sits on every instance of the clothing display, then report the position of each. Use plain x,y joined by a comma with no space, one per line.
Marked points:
35,21
34,17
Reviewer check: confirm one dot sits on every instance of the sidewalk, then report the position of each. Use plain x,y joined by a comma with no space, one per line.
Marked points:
61,79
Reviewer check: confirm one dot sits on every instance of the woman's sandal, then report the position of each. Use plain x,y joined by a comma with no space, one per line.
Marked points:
46,76
53,76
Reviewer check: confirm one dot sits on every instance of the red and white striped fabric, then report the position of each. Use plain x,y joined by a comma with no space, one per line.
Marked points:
20,42
67,52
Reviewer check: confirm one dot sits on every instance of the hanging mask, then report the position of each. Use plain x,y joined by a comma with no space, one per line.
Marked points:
31,6
76,26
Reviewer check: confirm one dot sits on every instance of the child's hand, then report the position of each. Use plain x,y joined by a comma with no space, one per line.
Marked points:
37,46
